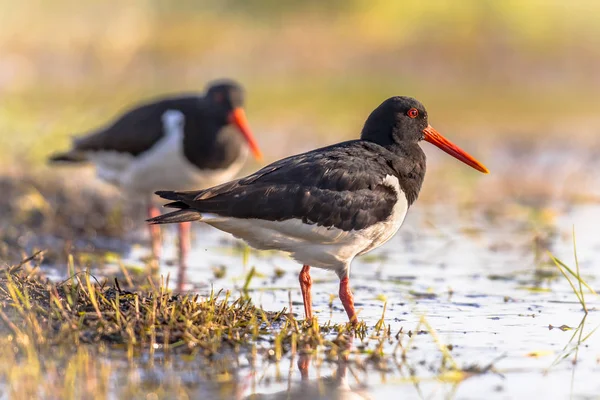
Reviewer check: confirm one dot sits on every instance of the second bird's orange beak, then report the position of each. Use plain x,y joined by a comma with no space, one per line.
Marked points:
434,137
238,118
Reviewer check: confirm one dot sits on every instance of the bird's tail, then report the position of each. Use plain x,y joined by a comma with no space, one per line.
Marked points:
174,217
68,157
179,198
184,212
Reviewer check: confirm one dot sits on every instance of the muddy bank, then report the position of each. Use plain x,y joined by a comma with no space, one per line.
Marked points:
63,212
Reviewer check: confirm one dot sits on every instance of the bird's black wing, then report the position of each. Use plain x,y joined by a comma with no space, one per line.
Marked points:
137,130
340,186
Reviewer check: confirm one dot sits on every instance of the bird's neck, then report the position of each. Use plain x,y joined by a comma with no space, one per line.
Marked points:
212,147
380,132
409,164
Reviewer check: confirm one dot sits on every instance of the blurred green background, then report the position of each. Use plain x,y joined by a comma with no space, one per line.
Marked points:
486,70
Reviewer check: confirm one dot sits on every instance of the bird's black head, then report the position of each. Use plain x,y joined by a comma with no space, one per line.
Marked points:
226,100
398,119
402,121
225,95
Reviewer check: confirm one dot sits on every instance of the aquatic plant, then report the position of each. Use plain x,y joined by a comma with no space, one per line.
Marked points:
568,273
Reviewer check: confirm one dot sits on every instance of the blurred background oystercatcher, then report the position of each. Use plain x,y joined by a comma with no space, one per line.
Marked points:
179,142
326,206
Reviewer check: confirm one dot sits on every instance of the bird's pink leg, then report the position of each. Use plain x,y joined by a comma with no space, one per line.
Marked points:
305,286
153,211
184,248
348,299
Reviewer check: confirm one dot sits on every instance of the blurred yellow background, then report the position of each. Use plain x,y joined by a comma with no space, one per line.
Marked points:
313,70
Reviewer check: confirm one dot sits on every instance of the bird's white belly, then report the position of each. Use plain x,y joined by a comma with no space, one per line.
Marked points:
318,246
165,167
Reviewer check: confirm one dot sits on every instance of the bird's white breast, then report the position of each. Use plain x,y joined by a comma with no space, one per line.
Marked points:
383,231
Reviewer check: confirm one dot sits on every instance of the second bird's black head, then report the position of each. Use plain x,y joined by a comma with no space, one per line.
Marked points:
225,95
225,101
402,120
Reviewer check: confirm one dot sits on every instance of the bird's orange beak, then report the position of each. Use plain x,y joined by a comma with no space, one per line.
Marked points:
434,137
238,118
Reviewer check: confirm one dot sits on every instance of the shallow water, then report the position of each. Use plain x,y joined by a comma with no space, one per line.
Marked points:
484,284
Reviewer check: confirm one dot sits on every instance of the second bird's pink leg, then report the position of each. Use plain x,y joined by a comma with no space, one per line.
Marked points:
184,249
153,211
305,287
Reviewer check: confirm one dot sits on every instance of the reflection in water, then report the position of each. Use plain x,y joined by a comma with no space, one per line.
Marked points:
572,347
334,386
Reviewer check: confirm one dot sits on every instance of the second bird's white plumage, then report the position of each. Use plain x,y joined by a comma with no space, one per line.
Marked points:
163,166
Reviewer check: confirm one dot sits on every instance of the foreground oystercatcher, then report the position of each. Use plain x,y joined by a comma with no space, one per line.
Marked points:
181,142
327,206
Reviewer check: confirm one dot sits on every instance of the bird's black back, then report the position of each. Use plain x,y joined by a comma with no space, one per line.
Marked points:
339,186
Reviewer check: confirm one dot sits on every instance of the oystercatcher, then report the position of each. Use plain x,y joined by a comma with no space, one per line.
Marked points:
181,142
326,206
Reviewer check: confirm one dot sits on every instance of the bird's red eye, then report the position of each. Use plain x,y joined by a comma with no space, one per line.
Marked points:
413,113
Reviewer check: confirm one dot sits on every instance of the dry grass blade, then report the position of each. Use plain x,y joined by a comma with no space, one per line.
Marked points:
34,256
443,349
249,277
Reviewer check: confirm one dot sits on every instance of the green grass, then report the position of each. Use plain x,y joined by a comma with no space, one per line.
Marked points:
86,328
572,275
577,284
85,338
